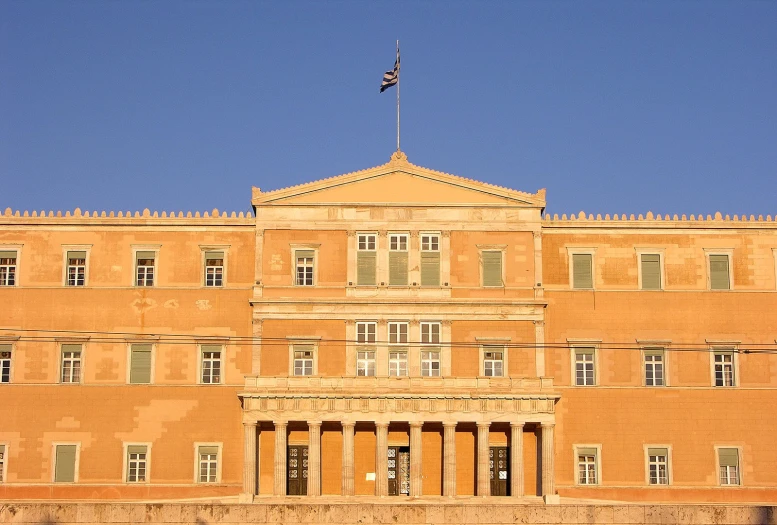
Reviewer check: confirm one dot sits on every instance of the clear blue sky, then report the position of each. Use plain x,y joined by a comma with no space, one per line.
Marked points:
614,107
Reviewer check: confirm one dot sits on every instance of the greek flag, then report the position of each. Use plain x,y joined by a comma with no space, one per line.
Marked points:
391,77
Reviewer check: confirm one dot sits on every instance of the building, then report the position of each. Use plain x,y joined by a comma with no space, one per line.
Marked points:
395,331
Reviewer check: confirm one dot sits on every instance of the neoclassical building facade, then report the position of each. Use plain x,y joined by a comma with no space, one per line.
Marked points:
392,332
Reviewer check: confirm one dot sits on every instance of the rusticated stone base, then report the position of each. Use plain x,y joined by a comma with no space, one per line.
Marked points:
421,512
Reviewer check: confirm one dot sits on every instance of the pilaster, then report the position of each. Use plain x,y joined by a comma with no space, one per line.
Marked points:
250,454
548,452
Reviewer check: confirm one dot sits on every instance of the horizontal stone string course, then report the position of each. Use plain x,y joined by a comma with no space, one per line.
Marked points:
651,217
145,214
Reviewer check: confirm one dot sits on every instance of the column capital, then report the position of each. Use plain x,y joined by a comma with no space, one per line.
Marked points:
483,424
445,233
449,424
446,322
414,234
381,424
416,424
547,425
348,424
249,424
351,233
517,424
312,424
280,424
537,233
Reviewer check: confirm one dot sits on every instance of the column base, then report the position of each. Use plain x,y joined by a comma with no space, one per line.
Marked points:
552,499
245,498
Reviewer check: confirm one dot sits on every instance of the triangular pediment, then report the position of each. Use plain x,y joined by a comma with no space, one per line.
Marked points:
398,182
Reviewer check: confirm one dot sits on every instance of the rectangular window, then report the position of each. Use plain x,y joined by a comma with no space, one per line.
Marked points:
398,259
144,266
214,269
365,355
137,463
65,463
724,368
211,364
2,463
582,271
493,361
303,360
728,458
398,341
365,363
7,268
492,268
658,466
654,366
430,363
584,366
208,462
304,267
365,332
71,364
5,363
651,271
719,272
366,259
76,268
140,364
430,260
397,363
586,466
430,349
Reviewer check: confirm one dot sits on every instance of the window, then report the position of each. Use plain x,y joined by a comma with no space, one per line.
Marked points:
137,463
208,461
144,266
724,367
76,268
303,360
365,351
650,266
584,366
582,271
65,463
8,268
430,349
366,259
304,267
2,463
492,267
587,466
214,269
719,272
5,363
365,363
654,366
71,363
211,364
658,466
140,364
398,340
398,259
493,361
430,259
728,459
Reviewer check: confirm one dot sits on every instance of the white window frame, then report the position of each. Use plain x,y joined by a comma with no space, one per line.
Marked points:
428,344
579,250
10,360
18,249
145,248
402,341
66,263
395,364
378,273
366,341
576,344
597,464
725,348
492,345
293,248
125,467
367,236
219,456
80,363
646,347
4,462
399,236
729,252
201,361
739,465
311,341
661,252
669,479
363,363
502,248
153,344
427,245
224,248
76,468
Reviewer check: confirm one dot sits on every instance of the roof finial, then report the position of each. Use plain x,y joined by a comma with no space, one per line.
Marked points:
398,156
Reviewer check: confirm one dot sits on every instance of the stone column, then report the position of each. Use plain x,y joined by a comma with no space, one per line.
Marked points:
249,462
348,465
548,482
449,460
381,459
516,459
279,486
484,468
314,458
416,465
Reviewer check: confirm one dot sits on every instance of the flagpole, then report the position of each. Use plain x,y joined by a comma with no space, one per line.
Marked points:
398,75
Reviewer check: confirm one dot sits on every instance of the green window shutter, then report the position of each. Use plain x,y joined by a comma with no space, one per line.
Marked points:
211,348
71,348
213,255
76,255
586,451
430,268
209,450
398,268
5,348
719,272
7,255
651,271
585,350
145,255
582,271
366,267
307,254
654,351
492,268
658,452
136,449
140,364
729,457
65,463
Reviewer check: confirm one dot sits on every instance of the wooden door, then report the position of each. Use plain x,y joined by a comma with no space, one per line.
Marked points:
499,461
398,471
297,470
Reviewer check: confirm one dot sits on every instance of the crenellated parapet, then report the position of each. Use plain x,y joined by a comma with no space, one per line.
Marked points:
652,220
77,216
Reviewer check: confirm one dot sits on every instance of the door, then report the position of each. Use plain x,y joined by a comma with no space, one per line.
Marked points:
499,460
398,471
297,470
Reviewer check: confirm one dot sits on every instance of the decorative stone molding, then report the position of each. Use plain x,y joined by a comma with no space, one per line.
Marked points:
673,221
112,217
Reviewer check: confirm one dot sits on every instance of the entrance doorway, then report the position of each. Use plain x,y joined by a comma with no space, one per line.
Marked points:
297,470
398,471
499,461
